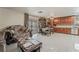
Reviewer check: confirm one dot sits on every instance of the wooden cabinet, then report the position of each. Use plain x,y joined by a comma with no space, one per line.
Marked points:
59,21
63,30
59,30
56,21
63,20
69,20
68,30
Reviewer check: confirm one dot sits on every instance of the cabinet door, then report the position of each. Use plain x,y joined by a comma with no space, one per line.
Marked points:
63,30
56,21
59,30
70,20
62,20
56,30
68,31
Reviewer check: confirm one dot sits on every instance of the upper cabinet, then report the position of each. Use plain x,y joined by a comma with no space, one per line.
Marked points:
56,21
70,20
63,20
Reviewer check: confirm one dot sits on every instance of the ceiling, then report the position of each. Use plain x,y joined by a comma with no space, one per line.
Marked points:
48,11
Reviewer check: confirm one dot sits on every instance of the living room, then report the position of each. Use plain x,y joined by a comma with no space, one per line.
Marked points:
56,29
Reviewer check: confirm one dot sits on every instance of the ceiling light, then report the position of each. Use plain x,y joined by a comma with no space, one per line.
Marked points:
51,17
40,11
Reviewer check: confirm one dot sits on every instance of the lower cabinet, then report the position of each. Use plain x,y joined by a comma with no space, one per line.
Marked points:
68,30
63,30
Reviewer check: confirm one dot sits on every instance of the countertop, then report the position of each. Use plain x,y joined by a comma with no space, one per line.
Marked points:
63,26
66,26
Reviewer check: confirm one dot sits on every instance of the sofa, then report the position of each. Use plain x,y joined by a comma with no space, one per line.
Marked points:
19,34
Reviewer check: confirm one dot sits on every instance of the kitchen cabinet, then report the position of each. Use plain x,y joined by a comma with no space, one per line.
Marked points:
70,20
58,30
68,30
63,30
67,22
56,21
63,20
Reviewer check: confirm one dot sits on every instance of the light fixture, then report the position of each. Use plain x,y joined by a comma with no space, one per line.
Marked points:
51,17
40,11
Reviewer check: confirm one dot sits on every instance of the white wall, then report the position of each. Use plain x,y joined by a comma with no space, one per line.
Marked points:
33,24
10,17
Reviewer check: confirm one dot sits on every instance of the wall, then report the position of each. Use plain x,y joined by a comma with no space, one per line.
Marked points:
76,21
33,24
10,17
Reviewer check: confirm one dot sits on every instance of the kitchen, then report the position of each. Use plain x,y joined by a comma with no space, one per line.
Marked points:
66,25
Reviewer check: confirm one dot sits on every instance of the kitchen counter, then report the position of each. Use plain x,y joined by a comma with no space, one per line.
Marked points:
63,26
67,29
66,26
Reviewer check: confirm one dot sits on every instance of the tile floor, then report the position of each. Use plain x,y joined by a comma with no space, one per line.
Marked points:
56,42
